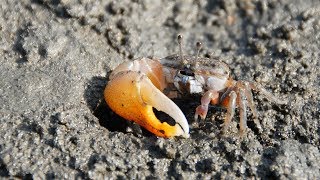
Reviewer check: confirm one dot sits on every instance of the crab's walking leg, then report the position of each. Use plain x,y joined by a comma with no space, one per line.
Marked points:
257,87
243,111
231,106
132,95
249,97
202,110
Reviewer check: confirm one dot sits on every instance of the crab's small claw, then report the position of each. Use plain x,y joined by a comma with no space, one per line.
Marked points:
132,95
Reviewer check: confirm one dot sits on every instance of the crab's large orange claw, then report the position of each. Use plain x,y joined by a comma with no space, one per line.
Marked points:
132,95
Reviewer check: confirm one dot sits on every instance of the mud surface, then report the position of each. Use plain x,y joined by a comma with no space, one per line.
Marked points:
56,55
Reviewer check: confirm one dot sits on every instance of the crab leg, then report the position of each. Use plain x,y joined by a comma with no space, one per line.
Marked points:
202,110
132,95
249,97
231,106
243,112
257,87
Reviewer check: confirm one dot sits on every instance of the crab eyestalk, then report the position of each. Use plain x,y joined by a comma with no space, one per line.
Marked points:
132,95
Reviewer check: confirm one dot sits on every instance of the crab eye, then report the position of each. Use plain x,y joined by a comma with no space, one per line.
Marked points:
187,73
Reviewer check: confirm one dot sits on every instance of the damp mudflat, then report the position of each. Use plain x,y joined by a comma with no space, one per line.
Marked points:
56,57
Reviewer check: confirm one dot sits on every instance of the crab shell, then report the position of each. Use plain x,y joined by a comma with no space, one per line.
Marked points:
193,75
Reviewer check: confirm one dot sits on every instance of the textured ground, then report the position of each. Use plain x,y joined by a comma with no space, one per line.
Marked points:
55,57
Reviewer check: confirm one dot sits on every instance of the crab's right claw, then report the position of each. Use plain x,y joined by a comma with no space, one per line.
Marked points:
132,96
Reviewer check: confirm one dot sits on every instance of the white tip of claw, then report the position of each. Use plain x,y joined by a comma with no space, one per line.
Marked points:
154,97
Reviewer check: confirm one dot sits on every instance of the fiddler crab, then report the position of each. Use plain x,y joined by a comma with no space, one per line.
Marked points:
136,87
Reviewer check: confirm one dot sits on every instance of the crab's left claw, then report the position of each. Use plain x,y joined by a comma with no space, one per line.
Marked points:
132,95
